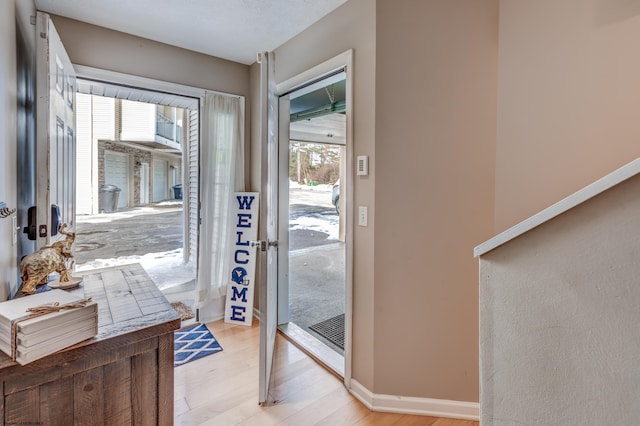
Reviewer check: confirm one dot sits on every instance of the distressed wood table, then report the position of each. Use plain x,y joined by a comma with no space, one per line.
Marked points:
122,376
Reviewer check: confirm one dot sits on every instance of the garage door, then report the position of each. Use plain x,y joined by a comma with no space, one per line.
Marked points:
159,180
116,172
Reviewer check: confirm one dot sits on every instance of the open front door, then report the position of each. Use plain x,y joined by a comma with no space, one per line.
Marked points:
268,217
56,142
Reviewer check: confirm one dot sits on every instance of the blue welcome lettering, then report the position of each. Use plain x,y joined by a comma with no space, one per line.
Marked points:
237,313
239,241
242,294
238,252
244,204
243,220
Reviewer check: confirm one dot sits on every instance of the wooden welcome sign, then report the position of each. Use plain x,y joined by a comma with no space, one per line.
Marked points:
240,289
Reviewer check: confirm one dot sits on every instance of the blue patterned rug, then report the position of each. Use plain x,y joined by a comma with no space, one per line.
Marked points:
193,343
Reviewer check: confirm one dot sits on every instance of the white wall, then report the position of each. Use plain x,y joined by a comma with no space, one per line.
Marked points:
560,341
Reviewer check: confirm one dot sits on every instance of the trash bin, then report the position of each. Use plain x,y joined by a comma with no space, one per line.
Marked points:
177,191
108,198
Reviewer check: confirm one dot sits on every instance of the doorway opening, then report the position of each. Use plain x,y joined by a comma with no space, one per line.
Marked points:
316,231
134,157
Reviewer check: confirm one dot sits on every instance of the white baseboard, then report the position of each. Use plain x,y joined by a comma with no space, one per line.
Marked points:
417,406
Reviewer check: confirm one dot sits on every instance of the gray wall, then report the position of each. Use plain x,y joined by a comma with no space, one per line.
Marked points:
560,341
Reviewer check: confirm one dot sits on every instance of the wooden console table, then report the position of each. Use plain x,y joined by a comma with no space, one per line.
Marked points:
122,376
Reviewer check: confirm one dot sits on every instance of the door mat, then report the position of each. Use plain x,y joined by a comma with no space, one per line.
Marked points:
332,330
183,310
193,343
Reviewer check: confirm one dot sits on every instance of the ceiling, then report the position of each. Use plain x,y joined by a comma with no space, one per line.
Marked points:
231,29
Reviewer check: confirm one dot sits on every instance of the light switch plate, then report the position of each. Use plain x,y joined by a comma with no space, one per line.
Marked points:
362,216
362,165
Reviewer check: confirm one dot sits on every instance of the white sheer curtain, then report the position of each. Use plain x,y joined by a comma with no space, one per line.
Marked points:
222,173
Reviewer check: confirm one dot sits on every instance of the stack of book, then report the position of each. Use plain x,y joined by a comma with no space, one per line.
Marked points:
39,336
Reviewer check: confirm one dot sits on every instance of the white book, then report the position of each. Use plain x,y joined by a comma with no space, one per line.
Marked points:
40,351
53,324
5,347
27,341
33,339
49,321
17,308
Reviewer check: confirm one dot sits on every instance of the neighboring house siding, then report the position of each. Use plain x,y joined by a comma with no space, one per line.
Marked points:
138,121
95,118
105,123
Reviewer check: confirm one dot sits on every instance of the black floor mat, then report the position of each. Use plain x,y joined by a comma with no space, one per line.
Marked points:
331,329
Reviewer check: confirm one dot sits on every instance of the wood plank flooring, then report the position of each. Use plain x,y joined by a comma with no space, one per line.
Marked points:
222,389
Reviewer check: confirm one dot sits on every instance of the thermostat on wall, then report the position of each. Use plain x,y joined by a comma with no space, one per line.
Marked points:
363,165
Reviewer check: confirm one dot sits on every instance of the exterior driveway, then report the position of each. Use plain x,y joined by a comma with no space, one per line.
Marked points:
136,231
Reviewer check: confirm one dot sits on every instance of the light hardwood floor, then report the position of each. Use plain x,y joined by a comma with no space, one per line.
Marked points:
222,389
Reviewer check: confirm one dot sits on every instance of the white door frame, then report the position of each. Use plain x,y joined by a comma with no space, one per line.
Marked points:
344,60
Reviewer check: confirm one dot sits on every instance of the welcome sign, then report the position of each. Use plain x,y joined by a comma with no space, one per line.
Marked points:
239,306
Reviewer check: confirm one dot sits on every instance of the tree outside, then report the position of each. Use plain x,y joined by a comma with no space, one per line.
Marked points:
314,163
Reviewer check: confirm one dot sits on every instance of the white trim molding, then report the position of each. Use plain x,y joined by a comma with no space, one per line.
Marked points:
609,181
417,406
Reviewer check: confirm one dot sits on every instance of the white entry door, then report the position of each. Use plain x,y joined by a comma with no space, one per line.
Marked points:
269,224
55,134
